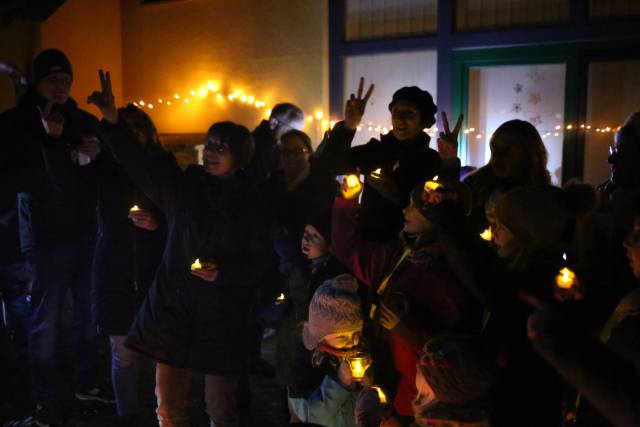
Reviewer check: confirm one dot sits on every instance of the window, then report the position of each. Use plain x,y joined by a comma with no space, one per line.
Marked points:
488,14
602,9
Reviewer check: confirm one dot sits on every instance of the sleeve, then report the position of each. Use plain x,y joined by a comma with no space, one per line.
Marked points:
333,153
151,168
365,259
324,404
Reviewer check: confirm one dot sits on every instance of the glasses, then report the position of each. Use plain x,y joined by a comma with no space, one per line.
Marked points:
216,146
298,152
307,237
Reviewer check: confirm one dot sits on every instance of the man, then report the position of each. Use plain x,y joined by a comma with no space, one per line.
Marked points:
54,144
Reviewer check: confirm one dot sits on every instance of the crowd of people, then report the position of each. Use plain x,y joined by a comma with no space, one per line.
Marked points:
401,294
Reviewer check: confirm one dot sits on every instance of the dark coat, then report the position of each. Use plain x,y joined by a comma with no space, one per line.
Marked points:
404,165
126,257
56,203
185,321
426,287
527,391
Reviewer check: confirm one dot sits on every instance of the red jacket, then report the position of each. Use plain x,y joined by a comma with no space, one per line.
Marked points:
425,288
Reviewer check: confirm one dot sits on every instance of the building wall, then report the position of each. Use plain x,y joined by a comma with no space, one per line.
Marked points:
89,32
275,50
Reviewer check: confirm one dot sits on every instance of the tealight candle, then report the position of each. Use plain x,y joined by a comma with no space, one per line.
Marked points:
196,265
359,363
353,187
432,185
377,173
280,298
134,208
566,278
487,235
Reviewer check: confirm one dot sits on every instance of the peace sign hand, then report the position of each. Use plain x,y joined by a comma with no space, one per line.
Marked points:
448,140
104,99
356,105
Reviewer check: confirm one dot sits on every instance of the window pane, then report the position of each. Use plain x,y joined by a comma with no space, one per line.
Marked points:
483,14
389,72
378,19
613,93
534,93
602,9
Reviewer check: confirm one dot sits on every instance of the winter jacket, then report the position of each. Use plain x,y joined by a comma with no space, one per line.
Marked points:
425,285
301,284
126,257
403,165
56,200
316,394
185,321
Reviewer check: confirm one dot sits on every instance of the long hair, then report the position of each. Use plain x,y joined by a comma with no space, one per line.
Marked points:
140,122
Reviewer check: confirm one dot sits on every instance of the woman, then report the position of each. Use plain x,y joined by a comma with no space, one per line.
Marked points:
194,318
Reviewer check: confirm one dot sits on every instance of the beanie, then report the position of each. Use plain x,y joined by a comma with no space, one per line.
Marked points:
334,308
48,62
421,99
321,221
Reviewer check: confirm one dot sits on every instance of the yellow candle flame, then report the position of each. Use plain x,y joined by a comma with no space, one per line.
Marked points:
135,208
196,265
432,185
280,297
377,173
381,396
487,235
353,181
566,278
357,370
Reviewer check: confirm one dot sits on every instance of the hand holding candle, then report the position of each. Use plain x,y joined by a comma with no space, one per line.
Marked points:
207,271
143,218
351,187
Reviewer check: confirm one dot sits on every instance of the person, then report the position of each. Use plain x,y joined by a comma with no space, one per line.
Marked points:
518,158
533,231
419,284
397,162
283,118
454,380
194,319
302,282
131,238
54,143
326,394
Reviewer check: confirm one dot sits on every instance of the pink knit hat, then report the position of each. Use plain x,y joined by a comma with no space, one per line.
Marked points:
334,308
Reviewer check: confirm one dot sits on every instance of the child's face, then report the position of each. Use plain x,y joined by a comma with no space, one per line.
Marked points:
504,240
313,245
217,157
406,120
342,340
425,392
414,222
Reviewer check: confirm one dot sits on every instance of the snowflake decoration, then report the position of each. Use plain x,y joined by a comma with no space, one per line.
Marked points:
536,120
518,87
516,108
536,75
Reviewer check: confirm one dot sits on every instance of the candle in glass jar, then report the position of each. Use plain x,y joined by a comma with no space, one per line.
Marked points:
353,187
432,185
566,278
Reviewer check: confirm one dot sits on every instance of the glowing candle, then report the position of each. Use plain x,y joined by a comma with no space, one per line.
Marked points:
566,278
377,173
487,235
359,363
196,265
135,208
353,187
432,185
280,298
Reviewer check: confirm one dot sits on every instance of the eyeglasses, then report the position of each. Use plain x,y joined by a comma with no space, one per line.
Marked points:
217,146
298,152
307,237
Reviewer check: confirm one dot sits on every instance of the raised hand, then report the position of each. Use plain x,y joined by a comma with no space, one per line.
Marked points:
448,140
104,99
356,105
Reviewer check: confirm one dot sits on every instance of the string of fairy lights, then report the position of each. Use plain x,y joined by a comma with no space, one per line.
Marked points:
213,90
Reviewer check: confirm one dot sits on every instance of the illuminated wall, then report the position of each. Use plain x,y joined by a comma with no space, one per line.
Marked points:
275,51
89,33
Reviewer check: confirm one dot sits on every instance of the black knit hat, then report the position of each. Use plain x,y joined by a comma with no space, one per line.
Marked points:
419,98
50,61
320,219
